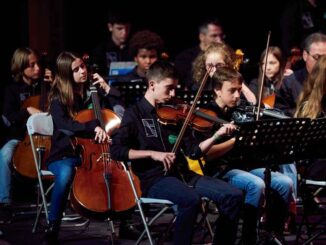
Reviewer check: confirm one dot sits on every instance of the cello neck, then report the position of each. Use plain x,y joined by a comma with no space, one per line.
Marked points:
43,96
96,105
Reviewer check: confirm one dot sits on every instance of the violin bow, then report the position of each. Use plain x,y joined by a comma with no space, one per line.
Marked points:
262,78
191,110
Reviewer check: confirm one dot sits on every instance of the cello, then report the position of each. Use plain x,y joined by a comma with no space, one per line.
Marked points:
100,185
23,161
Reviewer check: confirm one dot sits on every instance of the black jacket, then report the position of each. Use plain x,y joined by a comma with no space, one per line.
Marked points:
140,130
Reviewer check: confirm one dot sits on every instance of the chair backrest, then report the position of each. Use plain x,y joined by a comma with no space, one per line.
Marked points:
40,123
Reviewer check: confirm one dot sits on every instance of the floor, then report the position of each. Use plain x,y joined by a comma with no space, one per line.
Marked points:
19,231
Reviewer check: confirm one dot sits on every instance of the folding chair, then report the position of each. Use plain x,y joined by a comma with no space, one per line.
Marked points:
40,124
317,228
165,205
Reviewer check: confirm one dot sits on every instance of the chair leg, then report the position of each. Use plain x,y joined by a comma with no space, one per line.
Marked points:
111,231
208,224
138,201
146,229
40,191
204,220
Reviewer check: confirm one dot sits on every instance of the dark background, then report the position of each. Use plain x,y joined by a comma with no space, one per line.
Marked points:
80,25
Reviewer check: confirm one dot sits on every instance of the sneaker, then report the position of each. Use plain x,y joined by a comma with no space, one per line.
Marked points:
128,231
5,214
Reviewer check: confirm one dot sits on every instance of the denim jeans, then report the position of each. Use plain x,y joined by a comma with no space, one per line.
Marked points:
253,186
188,200
280,183
64,171
6,154
290,170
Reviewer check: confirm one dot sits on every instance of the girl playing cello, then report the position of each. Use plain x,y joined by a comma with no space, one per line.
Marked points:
65,100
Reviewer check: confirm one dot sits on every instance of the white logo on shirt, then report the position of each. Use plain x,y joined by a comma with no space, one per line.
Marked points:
149,127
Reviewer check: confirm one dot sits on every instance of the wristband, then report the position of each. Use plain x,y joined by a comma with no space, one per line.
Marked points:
216,137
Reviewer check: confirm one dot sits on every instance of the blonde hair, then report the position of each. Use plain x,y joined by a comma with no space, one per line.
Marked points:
199,67
20,61
309,103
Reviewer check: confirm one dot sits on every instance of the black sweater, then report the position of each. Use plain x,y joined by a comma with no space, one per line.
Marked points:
65,128
15,114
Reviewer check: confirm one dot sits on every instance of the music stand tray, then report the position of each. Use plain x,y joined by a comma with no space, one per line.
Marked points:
312,140
270,141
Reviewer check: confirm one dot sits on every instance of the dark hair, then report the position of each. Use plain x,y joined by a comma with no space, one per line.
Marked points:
225,73
145,40
160,70
119,17
202,28
277,53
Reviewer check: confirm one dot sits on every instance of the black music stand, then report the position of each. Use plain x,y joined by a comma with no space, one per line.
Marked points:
134,91
312,140
268,143
311,149
188,96
131,91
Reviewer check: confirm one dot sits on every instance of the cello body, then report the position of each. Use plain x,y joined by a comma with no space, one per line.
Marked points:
23,160
100,185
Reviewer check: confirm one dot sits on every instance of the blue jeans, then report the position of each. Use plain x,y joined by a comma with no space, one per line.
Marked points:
290,170
280,183
6,154
188,200
253,186
64,171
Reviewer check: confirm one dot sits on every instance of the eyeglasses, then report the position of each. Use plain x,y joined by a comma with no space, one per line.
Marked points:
316,57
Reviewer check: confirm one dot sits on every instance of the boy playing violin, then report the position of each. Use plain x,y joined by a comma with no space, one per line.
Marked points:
227,87
149,147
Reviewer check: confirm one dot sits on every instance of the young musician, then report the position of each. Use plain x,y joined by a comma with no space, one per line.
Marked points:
148,145
65,100
26,73
218,55
227,91
312,104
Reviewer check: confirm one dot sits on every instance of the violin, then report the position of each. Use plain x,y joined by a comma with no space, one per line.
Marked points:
253,110
201,120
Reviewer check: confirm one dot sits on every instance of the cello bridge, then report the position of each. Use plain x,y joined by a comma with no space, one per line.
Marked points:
104,157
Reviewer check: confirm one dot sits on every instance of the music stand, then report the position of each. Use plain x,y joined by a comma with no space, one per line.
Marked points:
310,149
312,139
188,96
131,91
267,143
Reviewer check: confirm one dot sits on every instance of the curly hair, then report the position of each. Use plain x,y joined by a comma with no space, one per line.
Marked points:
145,40
199,67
